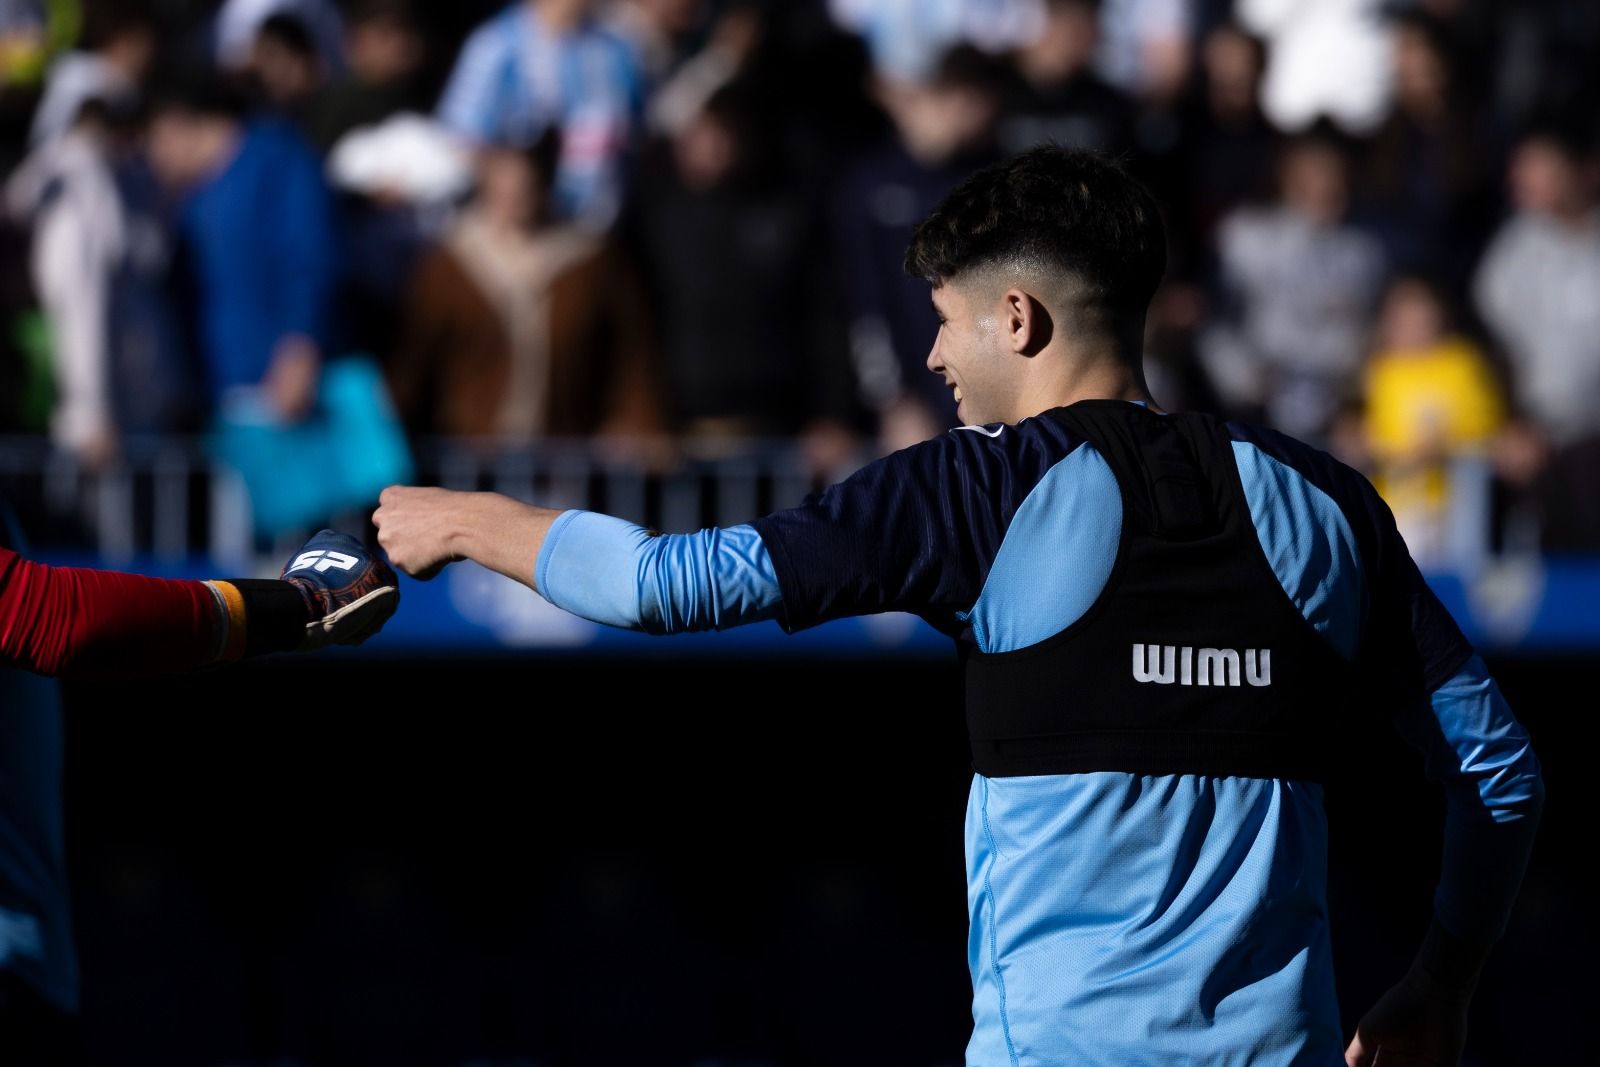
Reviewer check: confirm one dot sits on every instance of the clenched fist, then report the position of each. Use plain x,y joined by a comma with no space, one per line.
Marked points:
421,529
424,529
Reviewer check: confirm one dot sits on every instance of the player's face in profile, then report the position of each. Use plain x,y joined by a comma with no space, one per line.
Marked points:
968,355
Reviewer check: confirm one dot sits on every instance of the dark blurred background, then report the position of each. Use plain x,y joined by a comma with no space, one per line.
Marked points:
260,258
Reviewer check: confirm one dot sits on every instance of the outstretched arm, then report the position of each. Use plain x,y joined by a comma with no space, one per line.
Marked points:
78,621
424,529
601,568
905,533
62,620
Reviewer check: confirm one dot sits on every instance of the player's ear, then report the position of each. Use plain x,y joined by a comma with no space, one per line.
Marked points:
1027,322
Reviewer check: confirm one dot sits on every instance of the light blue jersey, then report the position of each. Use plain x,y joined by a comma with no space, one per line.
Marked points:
1117,918
516,79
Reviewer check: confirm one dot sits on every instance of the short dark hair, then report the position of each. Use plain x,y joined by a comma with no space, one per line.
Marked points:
1570,139
196,92
401,13
290,33
106,22
969,68
1075,211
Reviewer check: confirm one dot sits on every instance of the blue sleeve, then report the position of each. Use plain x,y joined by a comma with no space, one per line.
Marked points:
470,102
1417,666
613,572
916,531
1441,699
1475,747
306,243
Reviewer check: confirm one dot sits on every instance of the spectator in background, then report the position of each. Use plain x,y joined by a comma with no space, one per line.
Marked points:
735,36
1428,170
1222,159
517,328
1538,56
1536,289
66,189
100,267
1433,406
384,53
1226,157
399,172
737,261
1057,96
550,64
240,21
284,69
770,49
658,31
907,37
310,436
943,131
1296,288
835,118
119,47
263,318
1146,47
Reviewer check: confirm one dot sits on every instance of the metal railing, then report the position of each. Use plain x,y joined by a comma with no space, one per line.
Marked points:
168,499
167,506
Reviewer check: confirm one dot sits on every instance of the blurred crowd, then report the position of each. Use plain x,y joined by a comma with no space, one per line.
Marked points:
321,232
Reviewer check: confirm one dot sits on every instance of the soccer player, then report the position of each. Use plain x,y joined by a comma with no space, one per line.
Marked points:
64,621
1173,629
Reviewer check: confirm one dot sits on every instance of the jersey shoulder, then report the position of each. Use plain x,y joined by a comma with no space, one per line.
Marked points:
1026,449
1347,487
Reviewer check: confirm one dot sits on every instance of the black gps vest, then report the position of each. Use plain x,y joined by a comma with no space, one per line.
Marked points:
1193,660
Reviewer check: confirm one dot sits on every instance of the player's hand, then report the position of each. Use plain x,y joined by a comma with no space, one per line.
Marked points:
349,592
417,527
1419,1023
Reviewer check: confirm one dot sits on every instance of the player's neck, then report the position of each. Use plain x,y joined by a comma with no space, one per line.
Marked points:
1101,377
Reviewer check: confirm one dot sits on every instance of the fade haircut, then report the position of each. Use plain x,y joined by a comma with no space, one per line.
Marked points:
1058,212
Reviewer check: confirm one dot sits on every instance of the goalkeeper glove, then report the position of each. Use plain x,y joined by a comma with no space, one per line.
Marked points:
348,592
332,592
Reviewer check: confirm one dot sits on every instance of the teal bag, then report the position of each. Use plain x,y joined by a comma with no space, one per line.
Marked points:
298,475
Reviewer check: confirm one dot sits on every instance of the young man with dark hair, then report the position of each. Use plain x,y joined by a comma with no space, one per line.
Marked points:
1146,840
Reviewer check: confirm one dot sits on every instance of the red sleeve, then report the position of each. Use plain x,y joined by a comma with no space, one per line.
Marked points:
72,620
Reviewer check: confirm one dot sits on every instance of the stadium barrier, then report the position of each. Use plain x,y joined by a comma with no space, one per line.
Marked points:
166,507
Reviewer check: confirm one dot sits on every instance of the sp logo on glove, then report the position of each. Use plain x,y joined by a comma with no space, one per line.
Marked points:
349,593
322,561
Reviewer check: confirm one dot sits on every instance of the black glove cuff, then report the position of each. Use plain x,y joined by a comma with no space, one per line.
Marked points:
276,615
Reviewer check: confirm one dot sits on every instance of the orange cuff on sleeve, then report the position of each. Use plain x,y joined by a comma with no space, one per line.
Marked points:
233,646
